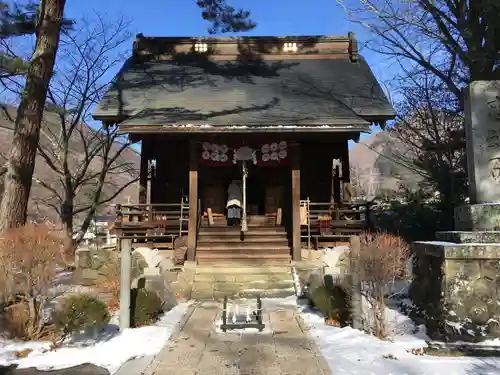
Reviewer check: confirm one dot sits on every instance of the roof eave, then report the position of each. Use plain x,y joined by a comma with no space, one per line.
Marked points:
140,129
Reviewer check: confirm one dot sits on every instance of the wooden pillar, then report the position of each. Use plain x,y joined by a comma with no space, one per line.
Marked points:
143,174
295,161
193,200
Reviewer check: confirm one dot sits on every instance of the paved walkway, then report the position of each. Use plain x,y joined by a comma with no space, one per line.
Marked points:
200,349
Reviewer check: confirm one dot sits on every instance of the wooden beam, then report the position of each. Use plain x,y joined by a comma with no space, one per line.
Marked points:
295,161
193,200
143,174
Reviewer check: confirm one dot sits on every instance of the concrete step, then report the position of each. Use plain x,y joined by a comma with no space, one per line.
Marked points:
244,293
254,260
242,270
242,279
469,237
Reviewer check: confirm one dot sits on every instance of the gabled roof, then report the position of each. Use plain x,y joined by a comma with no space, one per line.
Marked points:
244,83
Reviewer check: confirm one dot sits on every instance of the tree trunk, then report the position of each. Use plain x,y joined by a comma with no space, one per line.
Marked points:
21,161
67,216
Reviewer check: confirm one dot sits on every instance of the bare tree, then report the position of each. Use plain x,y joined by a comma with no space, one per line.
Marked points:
87,166
86,160
21,160
432,138
457,41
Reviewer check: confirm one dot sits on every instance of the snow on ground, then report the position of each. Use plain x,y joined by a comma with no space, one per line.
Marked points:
110,349
349,351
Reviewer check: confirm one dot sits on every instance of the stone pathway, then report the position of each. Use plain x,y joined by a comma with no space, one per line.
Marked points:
199,349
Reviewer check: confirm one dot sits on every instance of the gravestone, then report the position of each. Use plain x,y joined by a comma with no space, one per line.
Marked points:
456,280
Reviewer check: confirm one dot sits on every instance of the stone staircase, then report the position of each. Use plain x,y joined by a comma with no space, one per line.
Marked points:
262,244
241,281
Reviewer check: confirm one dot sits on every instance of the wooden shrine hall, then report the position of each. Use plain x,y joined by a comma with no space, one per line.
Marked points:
276,113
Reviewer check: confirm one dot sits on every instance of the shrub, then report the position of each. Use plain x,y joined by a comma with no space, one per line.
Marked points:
80,312
146,307
111,286
382,260
333,303
29,256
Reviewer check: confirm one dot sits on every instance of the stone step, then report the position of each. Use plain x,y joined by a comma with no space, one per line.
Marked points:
254,260
245,278
469,237
244,293
242,270
253,285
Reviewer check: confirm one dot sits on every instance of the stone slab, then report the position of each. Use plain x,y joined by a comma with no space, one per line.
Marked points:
463,237
199,349
478,217
450,250
482,132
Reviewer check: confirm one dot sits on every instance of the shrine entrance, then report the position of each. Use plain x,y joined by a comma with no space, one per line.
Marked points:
267,181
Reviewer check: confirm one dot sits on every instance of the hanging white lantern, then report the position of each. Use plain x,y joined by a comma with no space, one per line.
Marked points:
282,145
214,156
265,149
274,147
265,157
224,149
274,156
282,154
207,146
205,155
223,158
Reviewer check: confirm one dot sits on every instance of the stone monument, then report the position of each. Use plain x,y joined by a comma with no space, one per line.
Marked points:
456,279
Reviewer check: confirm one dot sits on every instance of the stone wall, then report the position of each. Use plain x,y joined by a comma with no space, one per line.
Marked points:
456,290
96,264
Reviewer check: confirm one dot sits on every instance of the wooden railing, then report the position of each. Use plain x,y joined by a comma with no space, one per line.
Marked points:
159,222
341,220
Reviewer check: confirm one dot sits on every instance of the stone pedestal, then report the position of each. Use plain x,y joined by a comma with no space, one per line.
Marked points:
456,279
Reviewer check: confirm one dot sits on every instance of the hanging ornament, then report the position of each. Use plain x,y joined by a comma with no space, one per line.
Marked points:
205,155
282,154
207,146
265,149
223,158
266,157
282,145
274,147
224,149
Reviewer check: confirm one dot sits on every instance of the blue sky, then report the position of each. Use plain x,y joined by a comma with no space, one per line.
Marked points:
273,17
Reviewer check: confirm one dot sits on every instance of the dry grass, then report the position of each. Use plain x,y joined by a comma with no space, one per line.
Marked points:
383,259
111,287
30,256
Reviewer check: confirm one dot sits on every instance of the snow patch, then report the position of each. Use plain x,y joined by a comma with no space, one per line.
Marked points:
110,350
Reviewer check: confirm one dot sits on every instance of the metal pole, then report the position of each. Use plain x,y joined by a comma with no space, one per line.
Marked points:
125,283
244,226
356,303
